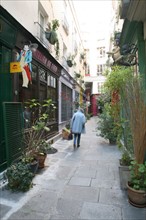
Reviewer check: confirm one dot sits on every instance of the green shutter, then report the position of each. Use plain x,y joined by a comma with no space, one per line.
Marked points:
13,127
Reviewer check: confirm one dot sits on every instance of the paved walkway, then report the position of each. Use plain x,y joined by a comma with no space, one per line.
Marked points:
81,184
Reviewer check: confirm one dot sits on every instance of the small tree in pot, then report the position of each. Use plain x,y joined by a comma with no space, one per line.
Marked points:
106,125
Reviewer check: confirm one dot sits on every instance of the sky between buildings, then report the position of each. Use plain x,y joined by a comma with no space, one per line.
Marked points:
94,15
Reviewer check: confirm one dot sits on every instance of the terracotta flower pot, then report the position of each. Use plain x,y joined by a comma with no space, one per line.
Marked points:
41,158
136,197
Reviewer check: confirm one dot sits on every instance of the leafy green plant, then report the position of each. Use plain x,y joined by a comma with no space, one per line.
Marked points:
138,175
42,147
35,136
19,177
51,34
77,75
125,159
117,78
106,125
70,60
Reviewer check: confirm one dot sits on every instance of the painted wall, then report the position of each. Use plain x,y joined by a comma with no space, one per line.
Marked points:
25,12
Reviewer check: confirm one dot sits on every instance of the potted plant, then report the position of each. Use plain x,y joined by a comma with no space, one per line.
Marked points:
77,75
30,159
135,108
19,177
107,126
136,187
70,60
41,153
34,137
124,172
51,35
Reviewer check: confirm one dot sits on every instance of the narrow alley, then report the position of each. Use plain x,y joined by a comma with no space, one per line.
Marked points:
80,184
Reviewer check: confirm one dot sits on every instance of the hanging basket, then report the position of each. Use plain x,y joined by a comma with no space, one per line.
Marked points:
69,63
51,37
78,75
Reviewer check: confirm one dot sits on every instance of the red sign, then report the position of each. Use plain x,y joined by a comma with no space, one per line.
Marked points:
44,60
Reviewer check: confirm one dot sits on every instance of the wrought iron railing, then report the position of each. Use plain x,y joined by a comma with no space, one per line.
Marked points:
40,35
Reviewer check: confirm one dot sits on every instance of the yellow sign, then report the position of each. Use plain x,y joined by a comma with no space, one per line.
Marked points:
15,67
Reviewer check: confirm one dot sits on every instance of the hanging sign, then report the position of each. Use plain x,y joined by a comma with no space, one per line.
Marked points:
15,67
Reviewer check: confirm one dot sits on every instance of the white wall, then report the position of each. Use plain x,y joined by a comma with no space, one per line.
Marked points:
25,12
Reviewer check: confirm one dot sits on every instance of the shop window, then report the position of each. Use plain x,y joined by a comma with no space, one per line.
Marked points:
34,72
53,95
42,75
66,103
51,81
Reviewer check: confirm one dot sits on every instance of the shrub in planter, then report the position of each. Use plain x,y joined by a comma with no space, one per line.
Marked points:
137,184
31,161
51,34
138,175
124,172
19,177
41,153
106,125
70,60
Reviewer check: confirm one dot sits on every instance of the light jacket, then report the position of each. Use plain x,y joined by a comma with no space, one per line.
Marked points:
78,122
28,58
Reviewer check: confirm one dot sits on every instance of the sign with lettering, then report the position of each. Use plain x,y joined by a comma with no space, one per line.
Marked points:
46,62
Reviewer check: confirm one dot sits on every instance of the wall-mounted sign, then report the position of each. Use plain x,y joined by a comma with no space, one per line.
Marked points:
15,67
25,58
48,63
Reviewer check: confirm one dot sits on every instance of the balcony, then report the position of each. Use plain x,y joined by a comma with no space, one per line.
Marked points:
40,35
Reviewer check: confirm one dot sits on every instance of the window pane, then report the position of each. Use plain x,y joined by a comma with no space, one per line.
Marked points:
66,100
42,75
34,72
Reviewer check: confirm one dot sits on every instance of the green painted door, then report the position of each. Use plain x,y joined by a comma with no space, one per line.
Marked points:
5,96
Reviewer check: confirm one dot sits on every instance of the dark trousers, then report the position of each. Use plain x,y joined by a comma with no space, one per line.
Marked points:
77,138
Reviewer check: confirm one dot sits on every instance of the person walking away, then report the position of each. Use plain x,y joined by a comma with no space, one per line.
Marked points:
78,126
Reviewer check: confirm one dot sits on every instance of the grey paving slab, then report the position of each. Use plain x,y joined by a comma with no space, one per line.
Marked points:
81,193
100,212
64,172
30,215
67,209
11,196
103,183
51,184
78,181
81,184
113,197
85,172
89,163
133,213
44,201
105,174
3,210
